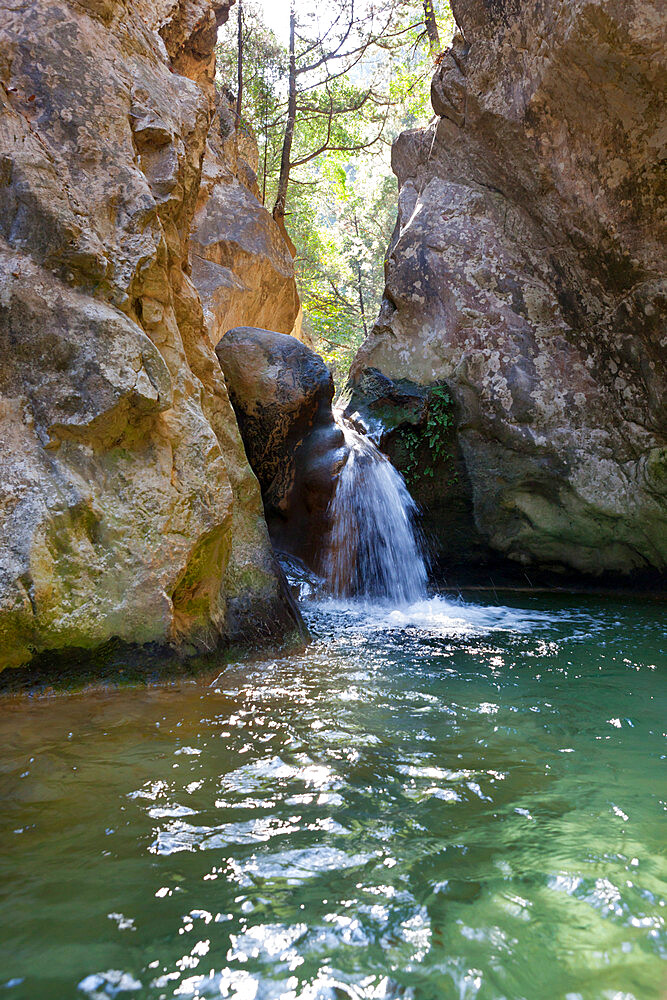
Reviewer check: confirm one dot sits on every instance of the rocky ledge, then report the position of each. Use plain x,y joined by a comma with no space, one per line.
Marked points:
517,367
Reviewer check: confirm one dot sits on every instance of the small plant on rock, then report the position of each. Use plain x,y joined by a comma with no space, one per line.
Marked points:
440,417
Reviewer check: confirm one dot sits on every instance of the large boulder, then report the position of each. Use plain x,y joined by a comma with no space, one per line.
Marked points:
525,279
282,393
127,506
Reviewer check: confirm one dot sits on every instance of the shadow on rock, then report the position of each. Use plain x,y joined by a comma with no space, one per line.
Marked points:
282,392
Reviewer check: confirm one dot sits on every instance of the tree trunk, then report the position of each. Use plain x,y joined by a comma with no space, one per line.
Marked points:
266,157
283,180
239,63
362,307
431,28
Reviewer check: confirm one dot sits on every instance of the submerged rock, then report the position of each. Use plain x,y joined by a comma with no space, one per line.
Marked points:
526,275
127,506
282,393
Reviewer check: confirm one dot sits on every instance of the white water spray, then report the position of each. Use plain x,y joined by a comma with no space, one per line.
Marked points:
373,550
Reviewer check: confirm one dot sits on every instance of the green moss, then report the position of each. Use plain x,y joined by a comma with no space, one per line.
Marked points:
656,470
249,580
435,438
197,590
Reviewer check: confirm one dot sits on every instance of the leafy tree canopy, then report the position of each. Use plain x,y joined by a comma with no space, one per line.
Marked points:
325,101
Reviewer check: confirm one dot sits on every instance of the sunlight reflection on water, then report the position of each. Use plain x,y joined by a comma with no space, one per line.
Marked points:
440,801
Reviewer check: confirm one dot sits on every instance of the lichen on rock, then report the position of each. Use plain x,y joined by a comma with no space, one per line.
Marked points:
527,274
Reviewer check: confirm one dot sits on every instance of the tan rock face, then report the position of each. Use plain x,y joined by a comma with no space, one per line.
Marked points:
189,30
241,266
127,507
527,273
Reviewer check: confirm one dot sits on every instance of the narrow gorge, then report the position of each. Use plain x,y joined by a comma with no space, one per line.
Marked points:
332,637
516,371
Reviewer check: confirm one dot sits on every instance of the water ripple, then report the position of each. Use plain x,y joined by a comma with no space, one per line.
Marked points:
436,802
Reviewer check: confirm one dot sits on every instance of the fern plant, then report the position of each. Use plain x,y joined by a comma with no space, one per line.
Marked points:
440,417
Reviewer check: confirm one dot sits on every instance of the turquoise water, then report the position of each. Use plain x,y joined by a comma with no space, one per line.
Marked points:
449,801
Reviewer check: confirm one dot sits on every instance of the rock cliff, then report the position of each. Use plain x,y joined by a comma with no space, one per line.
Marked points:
241,265
526,280
127,506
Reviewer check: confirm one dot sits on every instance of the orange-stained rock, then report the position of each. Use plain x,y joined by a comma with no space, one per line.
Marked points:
127,506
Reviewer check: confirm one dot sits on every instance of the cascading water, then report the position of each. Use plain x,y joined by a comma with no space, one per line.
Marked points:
373,550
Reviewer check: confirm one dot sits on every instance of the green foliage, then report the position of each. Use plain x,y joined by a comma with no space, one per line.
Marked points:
341,205
411,442
440,417
341,243
436,435
264,70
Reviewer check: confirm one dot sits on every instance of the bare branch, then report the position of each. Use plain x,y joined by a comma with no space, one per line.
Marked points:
335,53
326,148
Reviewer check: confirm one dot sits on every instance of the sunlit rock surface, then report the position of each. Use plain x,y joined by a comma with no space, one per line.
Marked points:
127,506
527,273
241,266
282,393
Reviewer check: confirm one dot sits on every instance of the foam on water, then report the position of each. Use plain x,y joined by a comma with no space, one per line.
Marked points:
434,615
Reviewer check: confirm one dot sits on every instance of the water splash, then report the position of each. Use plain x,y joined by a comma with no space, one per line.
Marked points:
373,550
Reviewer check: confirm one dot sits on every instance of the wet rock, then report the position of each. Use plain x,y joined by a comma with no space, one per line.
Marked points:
416,427
527,275
281,392
127,506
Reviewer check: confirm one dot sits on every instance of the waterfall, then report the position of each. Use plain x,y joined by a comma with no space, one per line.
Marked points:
373,550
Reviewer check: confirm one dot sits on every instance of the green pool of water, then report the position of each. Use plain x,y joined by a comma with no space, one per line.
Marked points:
451,801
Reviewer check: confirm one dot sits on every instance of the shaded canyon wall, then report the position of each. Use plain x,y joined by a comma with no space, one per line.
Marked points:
526,279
